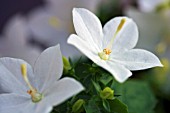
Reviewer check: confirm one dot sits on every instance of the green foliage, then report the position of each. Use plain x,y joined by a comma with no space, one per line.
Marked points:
136,95
104,95
118,107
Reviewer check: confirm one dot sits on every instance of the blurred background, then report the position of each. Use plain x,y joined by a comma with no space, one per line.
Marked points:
27,27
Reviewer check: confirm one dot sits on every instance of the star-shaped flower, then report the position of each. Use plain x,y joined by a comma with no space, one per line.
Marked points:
112,47
35,91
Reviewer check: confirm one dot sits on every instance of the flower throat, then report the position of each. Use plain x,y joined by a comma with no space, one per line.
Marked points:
104,55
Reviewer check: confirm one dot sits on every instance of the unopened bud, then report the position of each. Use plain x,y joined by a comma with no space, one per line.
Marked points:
78,106
67,65
107,93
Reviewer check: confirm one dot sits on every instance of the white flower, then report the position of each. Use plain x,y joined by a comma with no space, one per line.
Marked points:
13,42
38,90
112,47
52,23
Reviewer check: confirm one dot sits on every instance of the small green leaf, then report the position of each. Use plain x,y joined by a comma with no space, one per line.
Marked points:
117,106
106,105
78,106
92,107
105,78
97,86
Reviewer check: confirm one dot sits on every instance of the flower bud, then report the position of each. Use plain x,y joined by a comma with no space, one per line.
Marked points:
107,93
66,64
78,106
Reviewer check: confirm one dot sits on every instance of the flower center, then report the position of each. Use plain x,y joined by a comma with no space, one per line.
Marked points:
104,55
35,95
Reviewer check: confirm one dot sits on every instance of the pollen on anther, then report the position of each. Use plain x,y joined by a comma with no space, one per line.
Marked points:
107,51
29,91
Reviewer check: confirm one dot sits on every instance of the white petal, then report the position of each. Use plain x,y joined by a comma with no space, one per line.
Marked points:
12,100
119,72
62,90
43,107
16,109
88,27
36,108
11,79
137,59
125,39
48,67
84,47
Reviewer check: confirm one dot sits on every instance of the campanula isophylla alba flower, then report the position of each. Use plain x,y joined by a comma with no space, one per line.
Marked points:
112,46
37,90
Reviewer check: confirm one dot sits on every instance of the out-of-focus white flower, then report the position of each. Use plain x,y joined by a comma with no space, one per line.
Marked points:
13,42
160,6
154,24
149,5
63,8
37,90
112,47
151,28
52,23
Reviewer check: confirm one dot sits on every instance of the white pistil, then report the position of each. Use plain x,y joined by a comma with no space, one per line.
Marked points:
122,22
104,55
35,95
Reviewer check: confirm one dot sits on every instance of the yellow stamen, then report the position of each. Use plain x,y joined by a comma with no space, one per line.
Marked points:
35,96
54,22
24,74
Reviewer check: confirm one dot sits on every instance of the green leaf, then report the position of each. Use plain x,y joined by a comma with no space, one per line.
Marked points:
137,95
92,107
105,78
97,86
106,105
117,106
